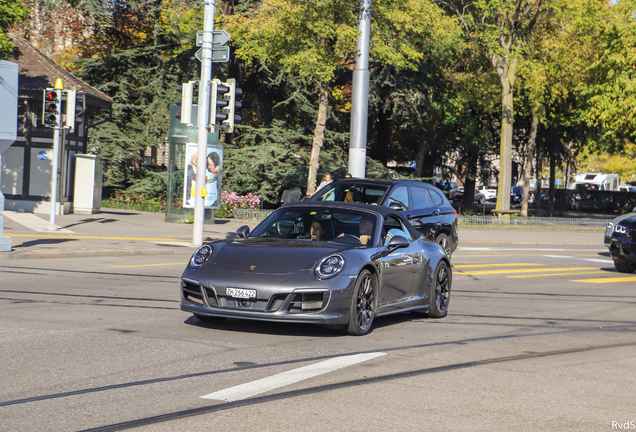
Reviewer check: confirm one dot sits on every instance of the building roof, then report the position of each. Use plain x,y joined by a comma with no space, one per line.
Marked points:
38,72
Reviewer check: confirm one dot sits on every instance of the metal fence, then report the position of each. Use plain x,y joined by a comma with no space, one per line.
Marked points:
252,214
259,215
532,221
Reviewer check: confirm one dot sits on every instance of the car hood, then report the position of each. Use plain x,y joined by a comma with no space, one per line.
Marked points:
623,217
273,256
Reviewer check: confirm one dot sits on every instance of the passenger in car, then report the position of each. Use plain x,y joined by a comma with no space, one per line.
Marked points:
365,228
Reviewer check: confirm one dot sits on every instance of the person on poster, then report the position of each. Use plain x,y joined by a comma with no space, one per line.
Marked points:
212,177
191,181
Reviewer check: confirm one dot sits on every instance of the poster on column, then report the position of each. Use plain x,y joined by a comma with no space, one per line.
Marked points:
213,174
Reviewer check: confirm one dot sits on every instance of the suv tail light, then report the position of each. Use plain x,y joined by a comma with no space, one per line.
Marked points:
455,214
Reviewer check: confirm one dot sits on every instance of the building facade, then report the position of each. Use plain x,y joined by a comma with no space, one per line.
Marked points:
27,164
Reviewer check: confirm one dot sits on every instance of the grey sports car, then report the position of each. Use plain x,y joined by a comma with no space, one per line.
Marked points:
337,264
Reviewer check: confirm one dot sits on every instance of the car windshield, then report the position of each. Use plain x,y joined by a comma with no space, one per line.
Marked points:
352,192
319,224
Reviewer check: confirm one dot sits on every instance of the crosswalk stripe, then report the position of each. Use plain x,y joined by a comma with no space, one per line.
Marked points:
608,280
555,274
530,270
497,265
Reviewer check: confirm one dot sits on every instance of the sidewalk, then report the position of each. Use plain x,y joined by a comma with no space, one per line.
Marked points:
112,232
116,232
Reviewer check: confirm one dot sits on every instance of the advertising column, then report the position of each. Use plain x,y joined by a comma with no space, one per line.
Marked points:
8,128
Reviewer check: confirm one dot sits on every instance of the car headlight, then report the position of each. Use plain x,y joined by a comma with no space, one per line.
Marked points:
330,266
610,225
201,256
620,229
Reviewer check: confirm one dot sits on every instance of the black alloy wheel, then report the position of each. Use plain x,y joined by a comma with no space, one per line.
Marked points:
624,266
440,291
444,242
363,304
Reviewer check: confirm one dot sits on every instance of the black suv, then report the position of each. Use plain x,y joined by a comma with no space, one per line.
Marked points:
424,205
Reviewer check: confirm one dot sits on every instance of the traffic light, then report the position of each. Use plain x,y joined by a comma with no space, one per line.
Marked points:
185,102
51,110
72,110
223,104
219,100
234,105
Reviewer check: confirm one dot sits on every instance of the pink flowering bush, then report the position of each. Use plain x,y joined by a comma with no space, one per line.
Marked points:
230,201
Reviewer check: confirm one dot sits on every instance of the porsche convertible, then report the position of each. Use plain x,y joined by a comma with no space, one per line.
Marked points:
337,264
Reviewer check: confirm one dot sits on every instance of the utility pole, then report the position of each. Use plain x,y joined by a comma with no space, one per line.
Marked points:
203,119
360,95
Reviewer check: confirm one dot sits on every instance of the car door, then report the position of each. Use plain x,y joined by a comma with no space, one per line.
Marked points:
400,269
423,215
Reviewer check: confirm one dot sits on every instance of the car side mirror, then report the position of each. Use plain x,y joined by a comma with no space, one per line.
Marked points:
398,242
243,231
396,206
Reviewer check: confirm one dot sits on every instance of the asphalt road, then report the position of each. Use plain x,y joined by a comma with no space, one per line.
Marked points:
538,338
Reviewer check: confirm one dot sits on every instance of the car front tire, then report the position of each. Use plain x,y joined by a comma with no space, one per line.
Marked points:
440,291
363,304
624,266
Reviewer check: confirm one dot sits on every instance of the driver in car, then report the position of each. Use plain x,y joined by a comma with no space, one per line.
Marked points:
316,231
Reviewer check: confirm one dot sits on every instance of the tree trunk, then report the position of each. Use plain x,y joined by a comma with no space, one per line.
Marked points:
552,179
383,138
421,154
527,174
538,202
227,7
507,70
319,136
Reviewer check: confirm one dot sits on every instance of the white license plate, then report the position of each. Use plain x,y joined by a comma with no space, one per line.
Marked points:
240,293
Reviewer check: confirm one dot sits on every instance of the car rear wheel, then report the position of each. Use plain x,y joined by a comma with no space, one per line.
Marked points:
444,242
624,266
440,291
363,304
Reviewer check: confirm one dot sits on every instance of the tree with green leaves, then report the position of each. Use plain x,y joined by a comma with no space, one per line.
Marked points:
501,28
11,12
317,40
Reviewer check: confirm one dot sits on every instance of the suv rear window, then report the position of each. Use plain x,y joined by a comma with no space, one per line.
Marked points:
351,192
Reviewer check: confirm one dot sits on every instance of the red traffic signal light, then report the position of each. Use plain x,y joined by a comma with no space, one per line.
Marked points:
51,109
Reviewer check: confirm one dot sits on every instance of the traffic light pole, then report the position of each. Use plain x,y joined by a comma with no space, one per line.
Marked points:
203,120
55,163
360,95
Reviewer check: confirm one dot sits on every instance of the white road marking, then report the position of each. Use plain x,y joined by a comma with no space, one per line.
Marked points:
253,388
504,248
605,261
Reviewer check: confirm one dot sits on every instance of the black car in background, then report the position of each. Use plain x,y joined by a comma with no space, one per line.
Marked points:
516,195
424,205
620,238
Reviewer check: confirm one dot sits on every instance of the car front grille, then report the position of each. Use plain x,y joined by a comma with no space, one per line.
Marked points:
292,302
631,234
